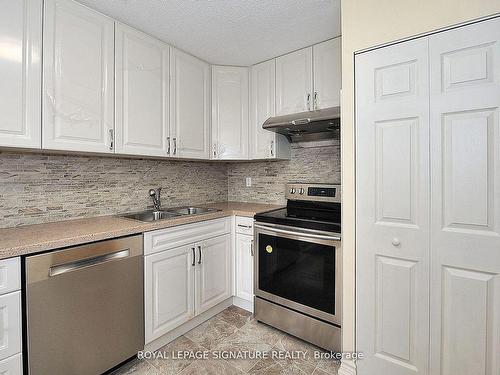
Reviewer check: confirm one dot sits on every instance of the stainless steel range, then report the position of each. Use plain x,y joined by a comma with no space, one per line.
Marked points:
298,265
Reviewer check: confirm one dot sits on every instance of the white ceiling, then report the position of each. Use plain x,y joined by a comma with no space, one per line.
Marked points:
230,32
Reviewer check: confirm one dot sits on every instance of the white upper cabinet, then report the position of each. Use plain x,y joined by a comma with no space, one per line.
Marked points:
327,74
229,112
77,78
189,106
264,144
20,76
294,82
142,93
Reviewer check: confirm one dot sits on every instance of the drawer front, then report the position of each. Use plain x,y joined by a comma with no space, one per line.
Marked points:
244,225
12,365
10,275
10,316
170,238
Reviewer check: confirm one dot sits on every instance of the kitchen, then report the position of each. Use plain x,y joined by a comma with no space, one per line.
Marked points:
161,194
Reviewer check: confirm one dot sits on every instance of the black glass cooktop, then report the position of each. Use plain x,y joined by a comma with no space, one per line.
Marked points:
309,215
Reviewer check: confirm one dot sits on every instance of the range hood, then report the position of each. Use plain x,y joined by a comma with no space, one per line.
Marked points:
307,126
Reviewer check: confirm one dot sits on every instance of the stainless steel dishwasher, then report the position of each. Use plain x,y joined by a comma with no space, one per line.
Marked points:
85,307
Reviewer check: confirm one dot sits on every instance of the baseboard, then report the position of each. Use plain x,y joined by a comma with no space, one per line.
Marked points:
347,367
188,326
243,303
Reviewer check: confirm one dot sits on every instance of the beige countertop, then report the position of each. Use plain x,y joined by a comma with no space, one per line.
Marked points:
31,239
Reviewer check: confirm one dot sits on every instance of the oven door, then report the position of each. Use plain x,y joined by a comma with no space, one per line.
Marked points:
299,269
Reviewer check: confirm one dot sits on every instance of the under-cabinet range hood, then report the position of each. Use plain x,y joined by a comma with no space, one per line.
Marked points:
307,126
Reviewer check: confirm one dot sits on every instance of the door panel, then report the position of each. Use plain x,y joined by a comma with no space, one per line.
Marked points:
244,267
20,73
142,93
189,105
230,112
262,103
77,78
465,200
213,272
10,318
294,82
392,209
169,298
327,73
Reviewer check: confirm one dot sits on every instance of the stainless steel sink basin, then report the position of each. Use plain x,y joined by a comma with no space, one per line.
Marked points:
191,210
151,215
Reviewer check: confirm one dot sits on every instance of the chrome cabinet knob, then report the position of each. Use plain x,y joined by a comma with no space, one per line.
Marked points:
301,191
292,191
396,242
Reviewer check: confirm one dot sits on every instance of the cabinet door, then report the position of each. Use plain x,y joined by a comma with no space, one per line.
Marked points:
465,200
168,293
142,93
294,82
20,73
213,272
244,267
327,74
392,200
189,106
12,365
262,106
77,78
229,112
10,316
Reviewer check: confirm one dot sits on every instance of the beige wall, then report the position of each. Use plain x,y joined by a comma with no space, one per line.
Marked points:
365,24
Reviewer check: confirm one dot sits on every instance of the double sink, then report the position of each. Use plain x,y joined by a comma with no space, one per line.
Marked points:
152,215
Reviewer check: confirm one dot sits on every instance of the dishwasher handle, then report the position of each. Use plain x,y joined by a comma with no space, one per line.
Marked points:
60,269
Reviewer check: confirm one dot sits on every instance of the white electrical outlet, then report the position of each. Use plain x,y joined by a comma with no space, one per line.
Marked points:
248,181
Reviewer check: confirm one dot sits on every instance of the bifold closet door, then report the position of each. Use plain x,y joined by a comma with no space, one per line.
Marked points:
392,200
465,200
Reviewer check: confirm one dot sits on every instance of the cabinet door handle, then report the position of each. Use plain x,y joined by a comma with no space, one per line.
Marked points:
199,252
315,100
245,226
175,145
215,150
252,253
308,101
194,257
168,145
272,148
111,139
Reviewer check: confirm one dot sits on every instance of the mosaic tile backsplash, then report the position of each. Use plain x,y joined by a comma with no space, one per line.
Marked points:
38,188
310,162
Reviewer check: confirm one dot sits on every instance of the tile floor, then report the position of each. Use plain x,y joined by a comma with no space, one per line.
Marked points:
230,331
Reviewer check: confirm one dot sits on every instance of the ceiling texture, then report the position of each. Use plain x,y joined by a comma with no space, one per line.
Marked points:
230,32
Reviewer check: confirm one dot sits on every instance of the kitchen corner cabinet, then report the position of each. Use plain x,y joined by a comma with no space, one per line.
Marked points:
264,144
229,112
244,258
187,271
78,70
189,106
294,82
20,73
141,93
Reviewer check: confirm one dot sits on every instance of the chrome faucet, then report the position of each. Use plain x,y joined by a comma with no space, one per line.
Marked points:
155,195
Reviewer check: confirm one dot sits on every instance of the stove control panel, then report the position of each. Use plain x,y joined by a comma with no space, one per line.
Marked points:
313,192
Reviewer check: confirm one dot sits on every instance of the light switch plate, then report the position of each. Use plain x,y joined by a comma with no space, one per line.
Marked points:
248,181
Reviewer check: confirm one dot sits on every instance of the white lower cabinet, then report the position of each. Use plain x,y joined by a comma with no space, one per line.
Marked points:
12,365
244,267
187,280
169,296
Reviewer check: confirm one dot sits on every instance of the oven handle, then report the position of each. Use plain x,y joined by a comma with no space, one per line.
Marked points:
302,234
